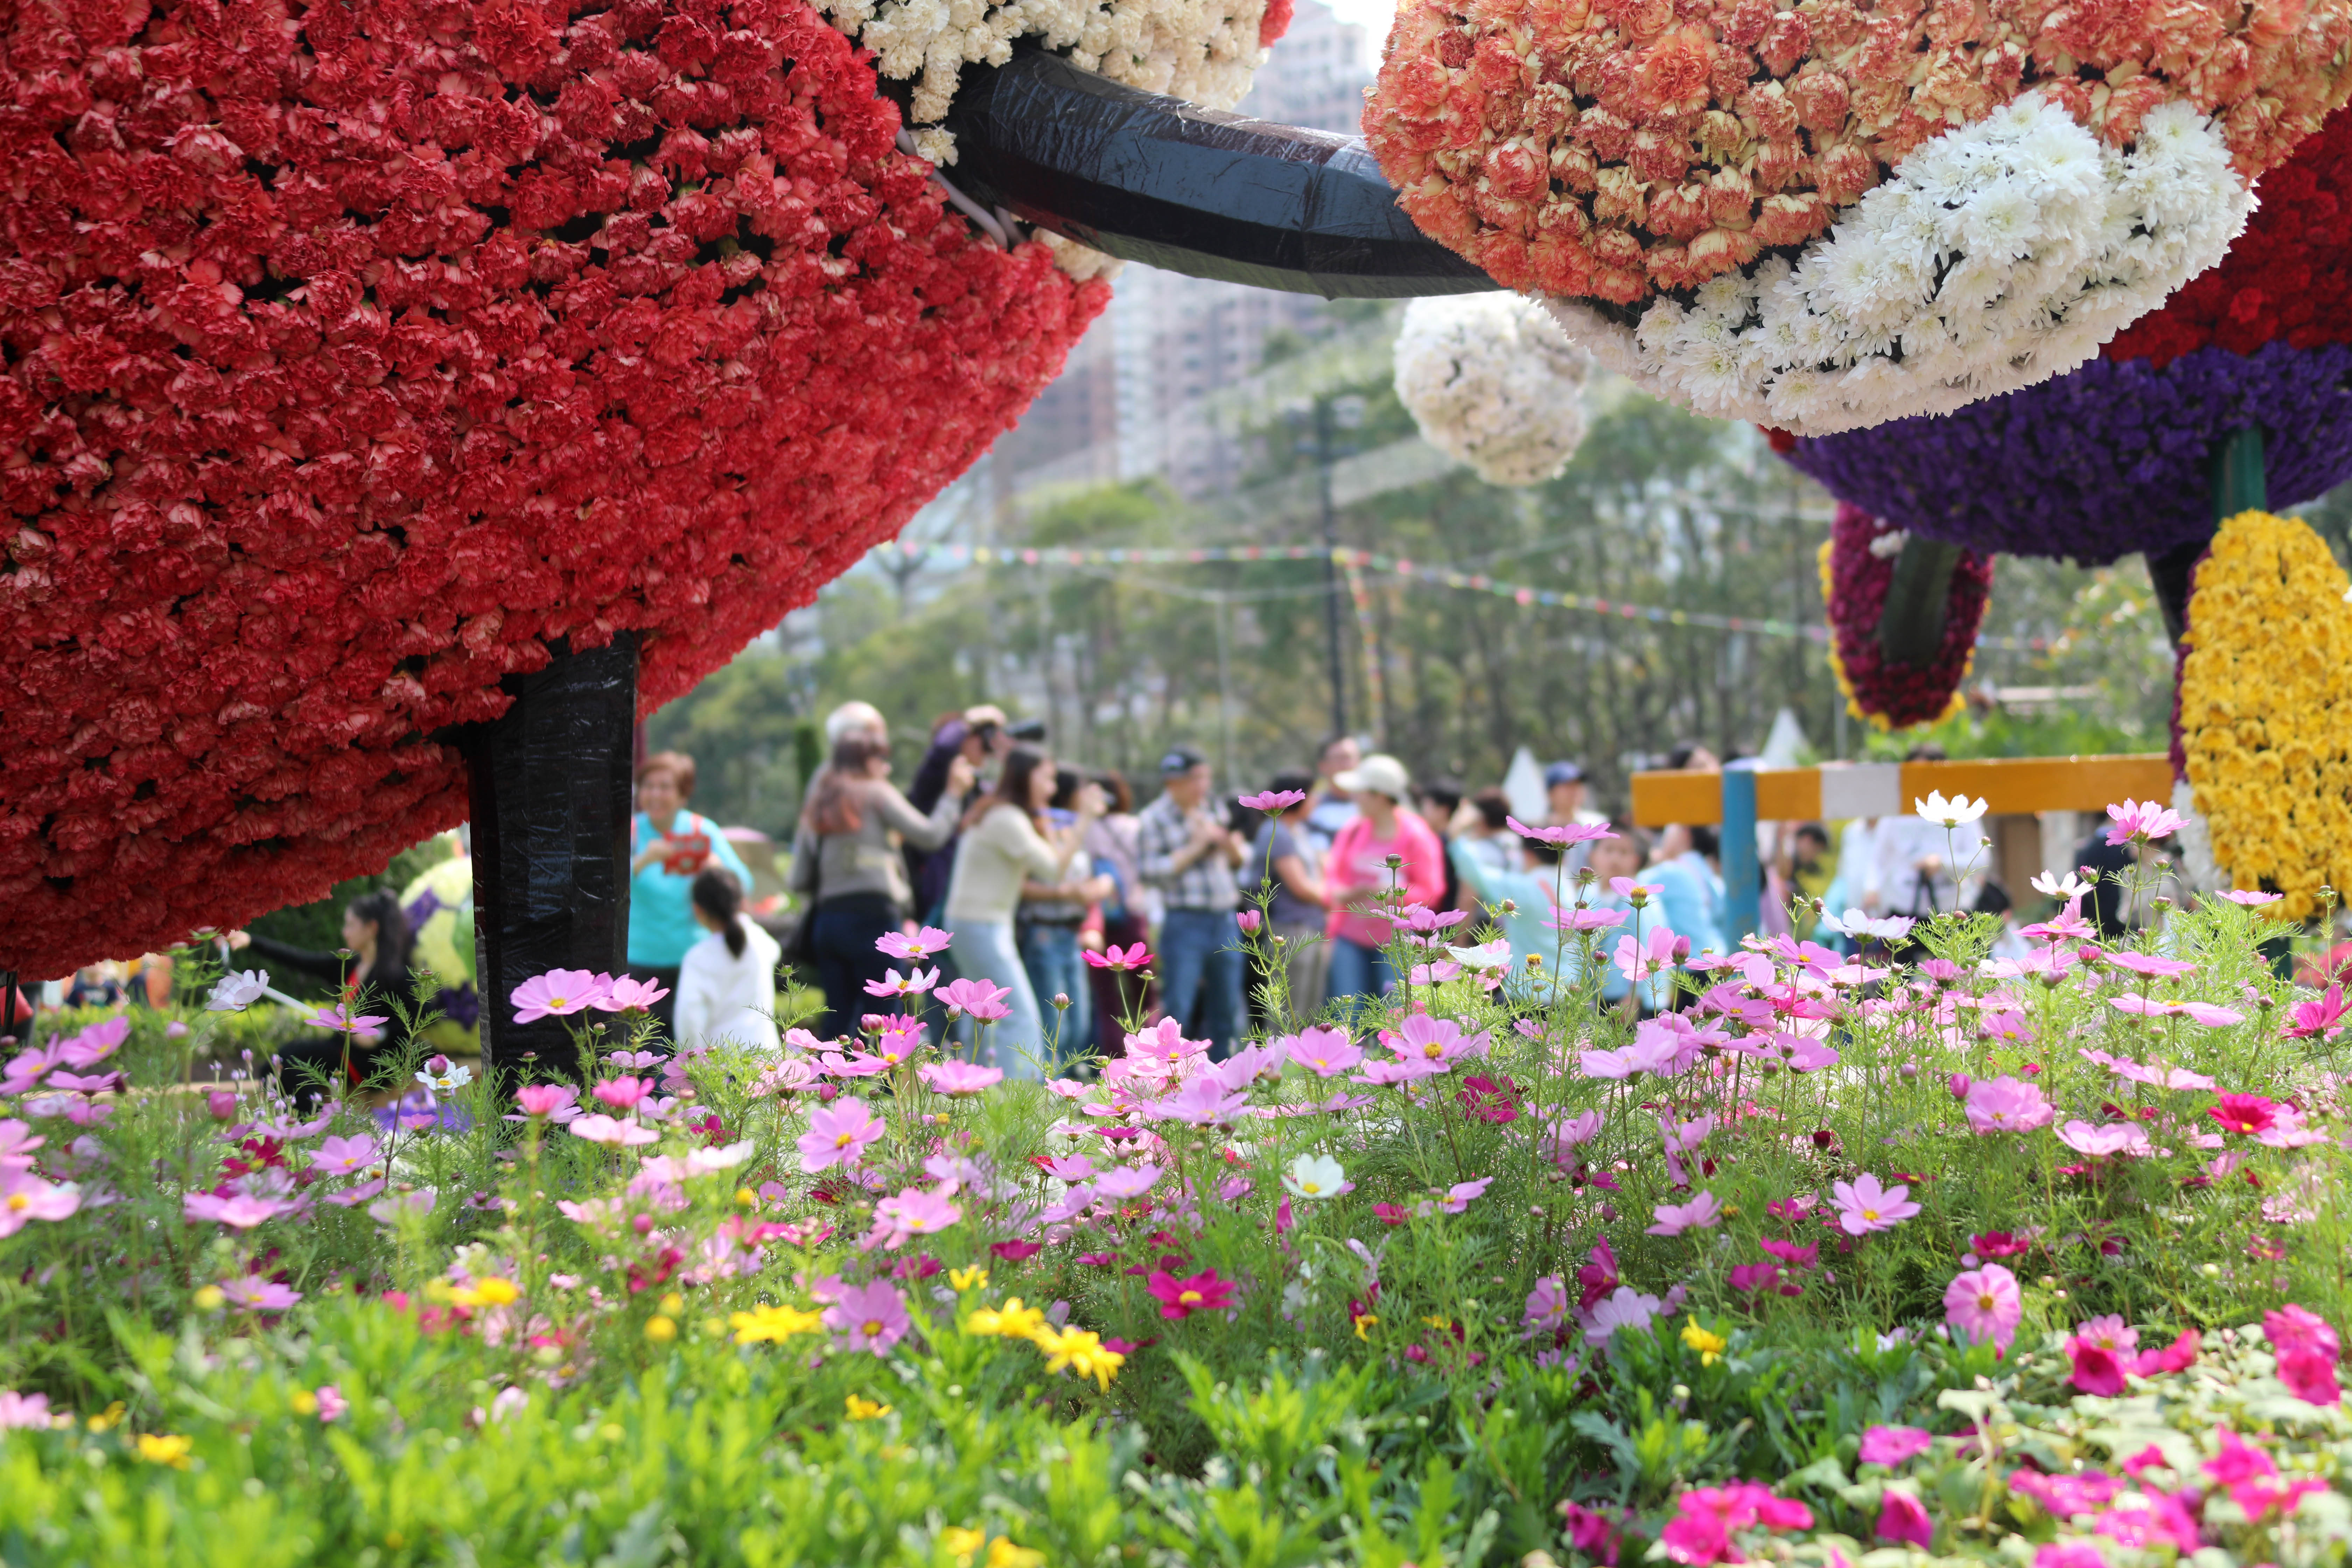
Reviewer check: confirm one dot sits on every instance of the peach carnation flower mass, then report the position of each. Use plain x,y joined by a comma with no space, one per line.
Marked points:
1829,216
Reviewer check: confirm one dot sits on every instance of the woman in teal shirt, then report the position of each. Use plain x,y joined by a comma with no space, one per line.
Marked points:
667,845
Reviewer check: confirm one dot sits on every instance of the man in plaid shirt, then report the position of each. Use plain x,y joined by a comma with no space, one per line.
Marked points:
1182,849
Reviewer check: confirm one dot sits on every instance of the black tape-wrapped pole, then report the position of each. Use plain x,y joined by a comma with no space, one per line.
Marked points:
1157,180
1918,600
550,783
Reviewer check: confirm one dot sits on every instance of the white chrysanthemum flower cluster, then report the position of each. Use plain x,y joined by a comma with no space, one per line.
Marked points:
1202,50
1996,256
1493,383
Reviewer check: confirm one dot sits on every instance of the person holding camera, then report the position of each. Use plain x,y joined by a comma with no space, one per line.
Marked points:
668,846
1187,851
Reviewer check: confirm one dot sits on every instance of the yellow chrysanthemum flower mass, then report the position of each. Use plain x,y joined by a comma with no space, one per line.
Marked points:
2266,709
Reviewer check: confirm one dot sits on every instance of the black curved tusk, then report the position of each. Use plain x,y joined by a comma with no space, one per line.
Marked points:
1155,179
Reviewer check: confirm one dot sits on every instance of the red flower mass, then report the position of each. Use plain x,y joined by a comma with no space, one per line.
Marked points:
358,353
2288,278
1854,583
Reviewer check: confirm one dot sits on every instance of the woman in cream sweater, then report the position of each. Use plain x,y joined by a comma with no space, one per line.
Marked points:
1002,848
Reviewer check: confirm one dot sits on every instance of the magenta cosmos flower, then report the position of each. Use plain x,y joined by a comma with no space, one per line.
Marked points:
869,1318
1893,1445
1864,1205
838,1134
2007,1105
1273,799
2308,1348
1984,1304
1179,1299
2244,1114
556,1101
1706,1517
556,993
1134,957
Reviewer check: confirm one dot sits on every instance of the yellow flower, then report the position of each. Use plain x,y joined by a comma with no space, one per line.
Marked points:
1003,1553
108,1418
304,1401
1710,1347
960,1541
746,1197
1081,1351
209,1299
865,1409
776,1323
661,1329
673,1303
159,1448
972,1279
489,1291
1012,1320
1363,1321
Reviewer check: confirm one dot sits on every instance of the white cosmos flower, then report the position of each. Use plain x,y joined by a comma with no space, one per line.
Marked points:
2064,888
1316,1176
1856,925
1957,812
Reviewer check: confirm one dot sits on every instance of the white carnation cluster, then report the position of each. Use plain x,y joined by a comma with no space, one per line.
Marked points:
1996,256
1493,383
1202,50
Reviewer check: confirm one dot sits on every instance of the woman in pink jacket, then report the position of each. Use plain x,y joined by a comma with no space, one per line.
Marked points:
1357,870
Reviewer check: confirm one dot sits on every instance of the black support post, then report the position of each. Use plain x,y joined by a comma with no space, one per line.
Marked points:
551,786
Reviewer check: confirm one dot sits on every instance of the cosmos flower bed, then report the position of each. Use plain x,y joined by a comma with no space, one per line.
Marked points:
2034,1260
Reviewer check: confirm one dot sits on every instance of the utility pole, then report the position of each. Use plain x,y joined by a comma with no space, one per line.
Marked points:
1345,414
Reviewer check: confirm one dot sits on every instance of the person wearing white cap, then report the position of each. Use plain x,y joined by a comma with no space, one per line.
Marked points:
1358,869
856,717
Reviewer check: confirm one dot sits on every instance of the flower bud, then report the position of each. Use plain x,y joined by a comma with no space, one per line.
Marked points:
438,1066
642,1223
1910,1071
1682,948
1061,999
222,1104
874,1023
1249,920
1959,1083
1393,861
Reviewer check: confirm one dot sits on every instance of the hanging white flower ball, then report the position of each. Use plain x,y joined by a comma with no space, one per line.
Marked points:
1492,381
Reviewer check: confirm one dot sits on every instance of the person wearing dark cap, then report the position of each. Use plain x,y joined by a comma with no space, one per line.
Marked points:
1187,852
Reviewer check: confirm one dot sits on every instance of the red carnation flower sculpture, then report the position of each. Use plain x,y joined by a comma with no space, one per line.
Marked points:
359,356
1908,672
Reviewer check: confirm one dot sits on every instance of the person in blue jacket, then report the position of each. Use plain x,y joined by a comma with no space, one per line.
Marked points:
667,846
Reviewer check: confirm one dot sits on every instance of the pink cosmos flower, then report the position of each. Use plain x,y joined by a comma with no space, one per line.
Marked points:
899,1040
2007,1105
2252,901
1129,1181
1894,1444
1203,1102
1436,973
1653,954
838,1134
2096,1370
1457,1197
1179,1299
1116,957
341,1019
556,993
1563,834
239,1211
95,1044
1902,1517
1582,918
628,995
2178,1356
1410,1071
2143,822
2152,965
25,1198
1706,1517
1794,1255
29,1411
2323,1016
983,999
1327,1052
2105,1140
1864,1205
2306,1350
871,1318
913,984
958,1078
256,1294
912,1213
1548,1306
2211,1015
1746,1278
622,1094
833,1064
1068,1167
1985,1303
1701,1213
1623,1308
1274,800
613,1134
1560,1140
1437,1040
926,943
550,1101
2069,1554
346,1156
